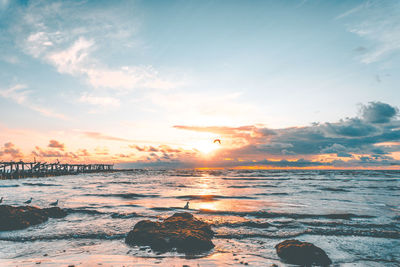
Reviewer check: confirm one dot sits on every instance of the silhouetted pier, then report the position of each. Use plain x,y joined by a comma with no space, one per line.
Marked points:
20,169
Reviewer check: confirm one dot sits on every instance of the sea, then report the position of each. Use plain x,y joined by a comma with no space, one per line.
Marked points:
353,215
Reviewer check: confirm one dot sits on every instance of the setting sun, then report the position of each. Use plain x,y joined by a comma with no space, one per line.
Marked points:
206,146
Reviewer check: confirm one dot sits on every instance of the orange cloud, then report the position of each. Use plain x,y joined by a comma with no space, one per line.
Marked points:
97,135
56,144
10,151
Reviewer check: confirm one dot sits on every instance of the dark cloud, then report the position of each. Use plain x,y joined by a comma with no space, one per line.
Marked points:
353,127
378,112
56,144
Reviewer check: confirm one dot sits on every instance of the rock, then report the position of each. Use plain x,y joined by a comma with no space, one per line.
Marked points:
181,231
16,218
302,253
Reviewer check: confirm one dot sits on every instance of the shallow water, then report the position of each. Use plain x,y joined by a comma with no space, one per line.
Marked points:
353,215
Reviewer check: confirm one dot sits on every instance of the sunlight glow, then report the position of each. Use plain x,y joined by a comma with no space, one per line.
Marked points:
206,146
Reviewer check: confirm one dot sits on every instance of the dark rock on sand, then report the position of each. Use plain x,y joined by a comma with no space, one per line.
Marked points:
16,218
181,231
302,253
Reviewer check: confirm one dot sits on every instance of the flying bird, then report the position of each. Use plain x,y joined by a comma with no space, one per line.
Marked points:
186,206
217,141
28,201
55,203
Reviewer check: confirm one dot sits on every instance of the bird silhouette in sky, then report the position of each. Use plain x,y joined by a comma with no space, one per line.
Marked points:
217,141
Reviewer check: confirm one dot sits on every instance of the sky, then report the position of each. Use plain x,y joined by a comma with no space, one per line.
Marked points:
282,84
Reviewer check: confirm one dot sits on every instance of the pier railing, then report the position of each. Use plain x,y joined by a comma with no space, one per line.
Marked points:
20,169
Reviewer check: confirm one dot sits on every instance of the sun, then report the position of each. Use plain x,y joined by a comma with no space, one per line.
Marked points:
206,146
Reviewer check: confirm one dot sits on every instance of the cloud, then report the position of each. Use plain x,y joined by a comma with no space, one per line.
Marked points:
50,153
73,37
100,136
20,95
102,151
71,59
379,23
56,144
160,148
378,112
100,101
353,127
10,150
353,139
17,93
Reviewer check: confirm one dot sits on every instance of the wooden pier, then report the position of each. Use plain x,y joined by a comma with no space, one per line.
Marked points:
20,169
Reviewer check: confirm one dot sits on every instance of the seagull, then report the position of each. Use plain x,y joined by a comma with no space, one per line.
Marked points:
55,203
186,206
1,200
217,141
28,201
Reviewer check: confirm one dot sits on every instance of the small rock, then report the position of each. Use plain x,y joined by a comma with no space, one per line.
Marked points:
302,253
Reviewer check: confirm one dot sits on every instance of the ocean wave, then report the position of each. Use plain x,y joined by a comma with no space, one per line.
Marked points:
40,184
255,178
354,232
9,185
260,235
273,194
124,195
250,224
238,186
125,215
162,208
211,197
315,231
350,225
265,214
102,236
83,211
333,189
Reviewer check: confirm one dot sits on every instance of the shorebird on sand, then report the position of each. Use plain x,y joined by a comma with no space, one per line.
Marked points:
55,203
28,201
186,206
